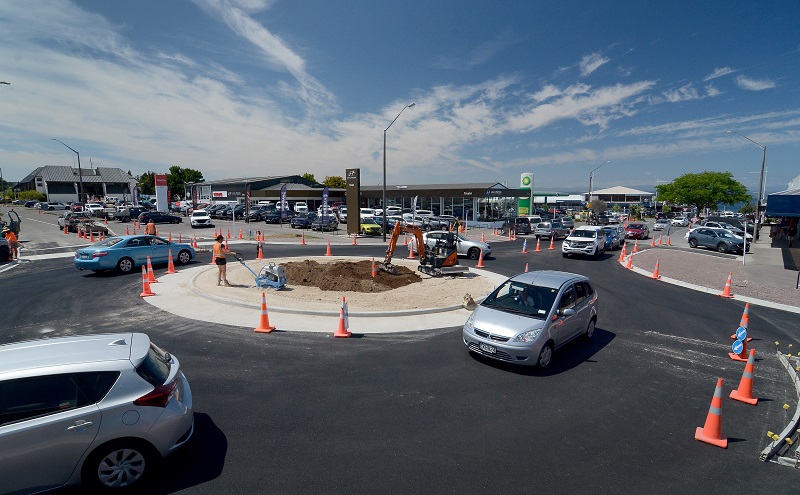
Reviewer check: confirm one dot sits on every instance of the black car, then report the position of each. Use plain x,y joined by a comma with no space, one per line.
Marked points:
259,214
126,214
520,225
303,221
276,217
159,217
328,222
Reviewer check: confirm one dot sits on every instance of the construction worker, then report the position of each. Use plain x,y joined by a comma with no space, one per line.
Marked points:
11,237
219,253
150,228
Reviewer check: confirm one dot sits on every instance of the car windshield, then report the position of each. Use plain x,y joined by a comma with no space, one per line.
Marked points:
368,220
108,242
635,226
524,299
588,234
543,225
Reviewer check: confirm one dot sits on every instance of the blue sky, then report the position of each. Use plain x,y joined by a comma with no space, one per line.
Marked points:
238,88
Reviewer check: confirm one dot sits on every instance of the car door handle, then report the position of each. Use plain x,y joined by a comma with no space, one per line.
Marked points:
80,424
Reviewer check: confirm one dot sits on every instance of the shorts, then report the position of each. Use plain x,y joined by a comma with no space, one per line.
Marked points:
220,261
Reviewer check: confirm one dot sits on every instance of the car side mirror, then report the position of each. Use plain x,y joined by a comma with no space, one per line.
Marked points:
566,312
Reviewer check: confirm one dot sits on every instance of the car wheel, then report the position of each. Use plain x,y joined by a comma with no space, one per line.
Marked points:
545,356
590,329
119,465
473,253
693,243
565,255
125,265
126,219
722,247
184,257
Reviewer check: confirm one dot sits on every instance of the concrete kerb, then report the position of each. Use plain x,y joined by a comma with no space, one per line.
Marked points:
791,429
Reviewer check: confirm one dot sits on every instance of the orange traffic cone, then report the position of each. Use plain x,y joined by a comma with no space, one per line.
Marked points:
711,432
259,251
151,277
213,259
726,292
229,234
538,246
480,261
180,238
342,331
668,241
240,234
263,325
170,264
410,251
622,254
145,284
170,236
194,241
526,268
629,264
525,246
483,238
655,274
745,391
354,240
374,270
742,356
660,239
405,240
745,321
226,245
328,252
65,229
91,235
552,244
653,242
635,246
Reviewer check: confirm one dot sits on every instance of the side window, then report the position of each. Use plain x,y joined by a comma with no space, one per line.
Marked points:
580,292
567,299
589,289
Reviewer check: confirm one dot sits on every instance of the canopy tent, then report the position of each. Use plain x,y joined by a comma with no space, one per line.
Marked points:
784,204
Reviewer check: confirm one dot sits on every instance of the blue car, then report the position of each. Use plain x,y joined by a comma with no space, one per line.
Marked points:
613,240
128,252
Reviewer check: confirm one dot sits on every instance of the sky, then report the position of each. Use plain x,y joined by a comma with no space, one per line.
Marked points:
638,92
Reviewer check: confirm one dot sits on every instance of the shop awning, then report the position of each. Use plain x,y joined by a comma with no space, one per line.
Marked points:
784,204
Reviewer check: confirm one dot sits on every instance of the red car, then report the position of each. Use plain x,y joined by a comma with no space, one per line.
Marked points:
637,230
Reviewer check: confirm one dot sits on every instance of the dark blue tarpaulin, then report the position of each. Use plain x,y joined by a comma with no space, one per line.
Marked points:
784,204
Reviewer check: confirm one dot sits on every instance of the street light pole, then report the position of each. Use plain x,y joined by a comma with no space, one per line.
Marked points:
384,166
760,183
591,179
80,172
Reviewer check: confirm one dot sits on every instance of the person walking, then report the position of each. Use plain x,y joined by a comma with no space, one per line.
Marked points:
219,253
11,237
150,228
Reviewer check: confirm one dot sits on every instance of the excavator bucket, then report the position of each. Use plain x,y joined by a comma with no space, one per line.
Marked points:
388,268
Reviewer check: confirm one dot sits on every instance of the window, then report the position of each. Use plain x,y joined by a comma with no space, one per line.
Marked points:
567,299
580,292
154,368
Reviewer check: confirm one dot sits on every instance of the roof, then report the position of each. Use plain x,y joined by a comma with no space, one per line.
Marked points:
784,204
59,173
548,278
620,190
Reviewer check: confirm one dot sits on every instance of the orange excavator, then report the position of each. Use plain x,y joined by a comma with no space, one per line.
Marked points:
440,260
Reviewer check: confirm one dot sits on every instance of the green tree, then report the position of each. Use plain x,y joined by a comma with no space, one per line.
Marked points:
31,196
178,177
748,209
147,183
703,190
598,206
335,181
636,212
309,177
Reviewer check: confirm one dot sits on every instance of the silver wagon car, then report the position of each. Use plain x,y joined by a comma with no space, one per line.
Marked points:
97,409
531,315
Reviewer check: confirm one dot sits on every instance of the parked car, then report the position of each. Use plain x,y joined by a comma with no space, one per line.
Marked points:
275,216
325,222
126,214
30,204
727,226
520,225
259,213
370,226
637,230
529,316
303,221
464,247
661,224
128,252
158,217
366,212
300,207
551,230
587,239
101,410
719,239
736,222
54,206
200,218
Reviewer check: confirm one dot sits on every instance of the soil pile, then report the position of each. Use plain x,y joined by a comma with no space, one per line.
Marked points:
347,276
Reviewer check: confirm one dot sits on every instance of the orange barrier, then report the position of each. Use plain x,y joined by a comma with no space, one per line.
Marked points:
552,244
480,261
726,292
151,277
745,391
342,331
711,432
146,291
263,325
328,252
655,274
170,264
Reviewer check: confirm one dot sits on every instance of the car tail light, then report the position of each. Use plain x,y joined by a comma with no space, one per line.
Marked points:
99,254
158,397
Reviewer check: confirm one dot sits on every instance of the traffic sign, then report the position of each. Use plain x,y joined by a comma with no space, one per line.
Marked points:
737,346
741,333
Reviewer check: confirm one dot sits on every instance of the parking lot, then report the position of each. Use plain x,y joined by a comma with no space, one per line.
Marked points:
414,412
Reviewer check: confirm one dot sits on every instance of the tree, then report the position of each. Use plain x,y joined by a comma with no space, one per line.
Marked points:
31,195
748,209
335,181
309,177
636,211
598,206
178,177
703,190
147,183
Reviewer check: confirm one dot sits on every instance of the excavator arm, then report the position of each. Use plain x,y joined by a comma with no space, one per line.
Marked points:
400,228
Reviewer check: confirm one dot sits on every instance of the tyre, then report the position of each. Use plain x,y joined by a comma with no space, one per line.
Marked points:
125,265
590,329
473,253
722,247
119,465
545,356
126,219
564,255
5,253
693,243
184,257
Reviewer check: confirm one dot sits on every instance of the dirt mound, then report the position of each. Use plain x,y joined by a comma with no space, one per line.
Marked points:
347,276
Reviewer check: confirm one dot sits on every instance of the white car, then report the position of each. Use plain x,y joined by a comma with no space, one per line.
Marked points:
366,212
300,207
682,221
201,218
342,211
588,239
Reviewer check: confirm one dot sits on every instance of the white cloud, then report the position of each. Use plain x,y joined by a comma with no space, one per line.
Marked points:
686,92
712,91
590,63
719,72
745,82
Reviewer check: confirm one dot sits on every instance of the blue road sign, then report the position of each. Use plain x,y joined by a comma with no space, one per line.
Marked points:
737,347
741,333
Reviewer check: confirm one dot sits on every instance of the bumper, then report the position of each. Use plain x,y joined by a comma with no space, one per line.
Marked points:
101,263
202,223
523,353
578,249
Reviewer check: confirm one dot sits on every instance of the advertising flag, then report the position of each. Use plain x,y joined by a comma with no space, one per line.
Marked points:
284,207
324,205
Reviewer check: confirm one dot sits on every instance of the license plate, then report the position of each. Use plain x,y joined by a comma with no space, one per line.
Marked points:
488,348
84,256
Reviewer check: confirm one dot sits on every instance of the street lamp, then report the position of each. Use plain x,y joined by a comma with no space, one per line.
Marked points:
591,179
760,182
80,172
384,166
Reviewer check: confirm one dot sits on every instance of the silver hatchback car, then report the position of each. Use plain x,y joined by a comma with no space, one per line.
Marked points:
529,316
97,409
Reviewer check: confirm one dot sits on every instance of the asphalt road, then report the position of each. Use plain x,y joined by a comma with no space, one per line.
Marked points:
416,413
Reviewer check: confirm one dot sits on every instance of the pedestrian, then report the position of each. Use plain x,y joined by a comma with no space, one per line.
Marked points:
150,228
11,237
219,258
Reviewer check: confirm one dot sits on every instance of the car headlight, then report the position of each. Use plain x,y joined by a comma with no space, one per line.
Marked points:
470,324
566,243
528,336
